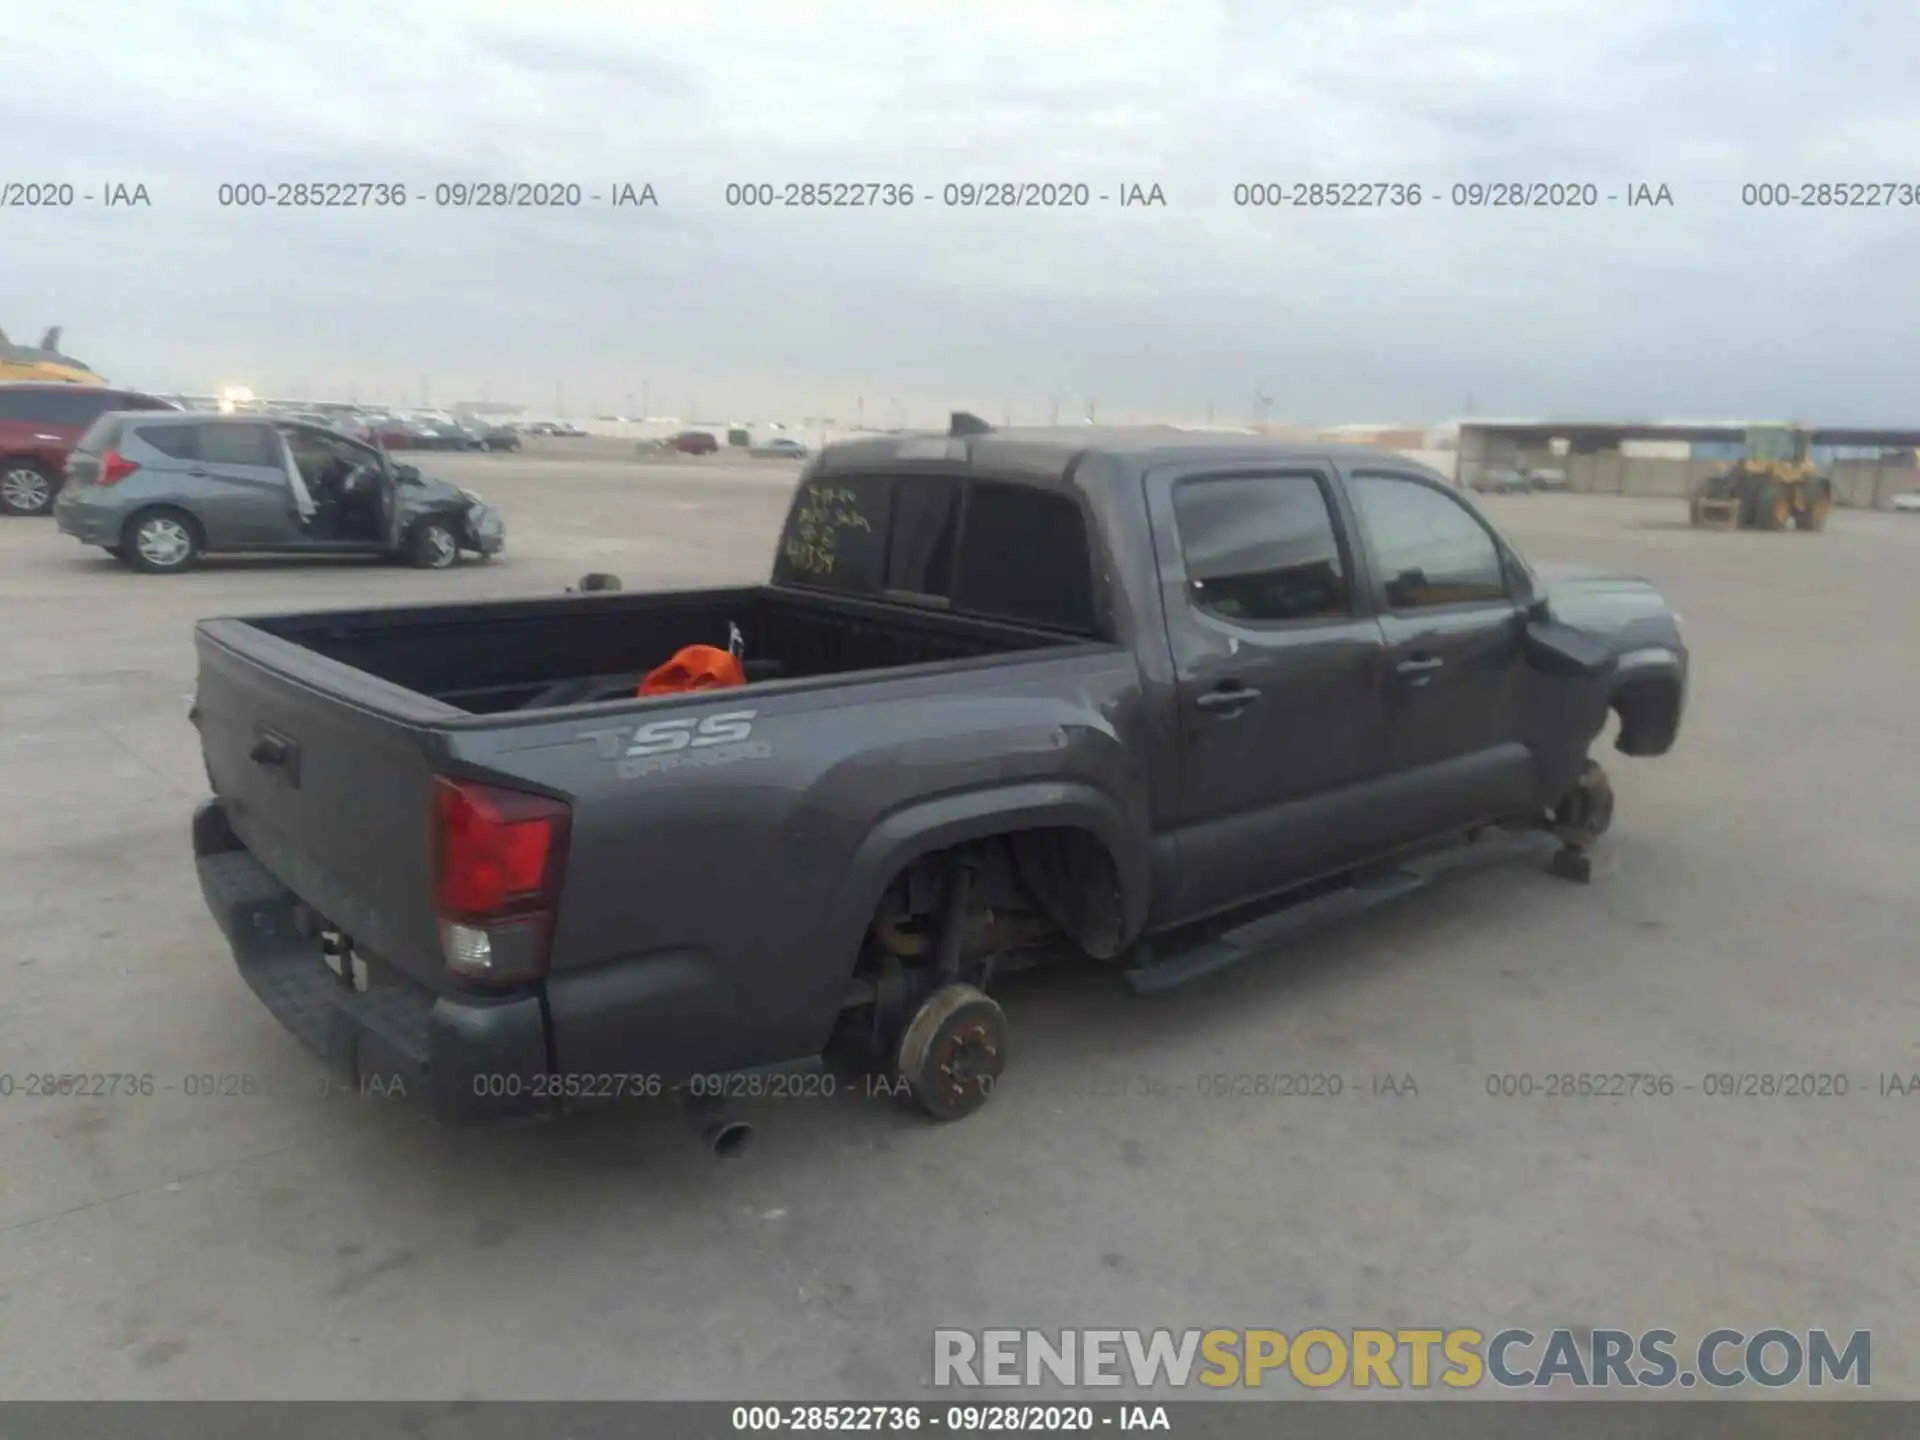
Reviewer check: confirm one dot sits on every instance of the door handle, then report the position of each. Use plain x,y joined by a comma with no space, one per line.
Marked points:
270,750
199,474
1235,699
1418,672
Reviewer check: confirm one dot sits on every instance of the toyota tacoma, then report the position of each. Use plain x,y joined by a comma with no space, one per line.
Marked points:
1152,698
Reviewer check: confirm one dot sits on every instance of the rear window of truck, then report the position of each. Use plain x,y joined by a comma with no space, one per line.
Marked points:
982,547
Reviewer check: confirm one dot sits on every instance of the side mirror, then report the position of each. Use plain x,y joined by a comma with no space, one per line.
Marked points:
597,580
1566,653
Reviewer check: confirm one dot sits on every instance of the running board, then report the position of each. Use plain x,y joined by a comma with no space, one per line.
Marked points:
1263,933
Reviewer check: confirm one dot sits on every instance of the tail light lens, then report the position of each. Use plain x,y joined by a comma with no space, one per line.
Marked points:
115,467
498,856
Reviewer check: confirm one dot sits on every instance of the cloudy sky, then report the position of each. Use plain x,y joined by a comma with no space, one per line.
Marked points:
1705,307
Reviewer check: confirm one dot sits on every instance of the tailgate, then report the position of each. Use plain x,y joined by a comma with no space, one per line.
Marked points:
326,775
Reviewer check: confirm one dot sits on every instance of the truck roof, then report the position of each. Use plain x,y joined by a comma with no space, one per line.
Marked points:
1048,454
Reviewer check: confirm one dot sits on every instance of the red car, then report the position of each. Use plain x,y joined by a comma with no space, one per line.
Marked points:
40,423
390,432
693,442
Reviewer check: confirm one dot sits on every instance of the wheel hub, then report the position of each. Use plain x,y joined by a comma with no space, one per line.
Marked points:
25,489
164,542
968,1060
953,1051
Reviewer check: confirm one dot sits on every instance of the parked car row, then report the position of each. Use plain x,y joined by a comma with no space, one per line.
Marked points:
158,486
429,432
1516,481
704,442
390,429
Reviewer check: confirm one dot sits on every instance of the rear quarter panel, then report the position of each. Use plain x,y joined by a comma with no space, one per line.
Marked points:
753,858
28,439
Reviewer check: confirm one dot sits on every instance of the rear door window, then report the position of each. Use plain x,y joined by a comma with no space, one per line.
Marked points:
239,445
1261,549
179,442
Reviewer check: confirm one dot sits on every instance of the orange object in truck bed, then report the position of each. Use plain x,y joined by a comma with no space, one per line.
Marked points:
695,667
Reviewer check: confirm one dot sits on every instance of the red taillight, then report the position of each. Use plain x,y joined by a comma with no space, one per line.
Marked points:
495,848
497,857
115,467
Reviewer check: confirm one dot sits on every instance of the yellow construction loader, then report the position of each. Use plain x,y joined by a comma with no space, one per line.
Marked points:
1774,485
43,362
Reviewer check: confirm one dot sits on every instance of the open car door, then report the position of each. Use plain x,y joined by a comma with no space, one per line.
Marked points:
392,510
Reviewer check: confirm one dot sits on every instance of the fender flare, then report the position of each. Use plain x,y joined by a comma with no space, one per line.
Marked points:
1650,662
1654,668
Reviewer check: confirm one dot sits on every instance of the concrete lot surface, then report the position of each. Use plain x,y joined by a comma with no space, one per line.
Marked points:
1753,912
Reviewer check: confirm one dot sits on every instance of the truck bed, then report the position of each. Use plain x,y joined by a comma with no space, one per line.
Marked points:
323,734
495,657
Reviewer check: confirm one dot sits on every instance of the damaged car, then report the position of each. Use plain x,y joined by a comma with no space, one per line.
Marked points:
160,489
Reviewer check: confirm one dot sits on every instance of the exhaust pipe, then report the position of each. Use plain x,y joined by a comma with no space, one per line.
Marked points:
725,1138
728,1139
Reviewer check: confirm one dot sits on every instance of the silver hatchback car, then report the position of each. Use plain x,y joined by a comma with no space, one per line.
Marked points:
159,489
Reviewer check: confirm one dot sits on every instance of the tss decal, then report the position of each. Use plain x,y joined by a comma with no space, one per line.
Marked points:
663,737
657,747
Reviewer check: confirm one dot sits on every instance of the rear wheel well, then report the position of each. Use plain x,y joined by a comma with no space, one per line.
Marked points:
964,912
1062,874
1649,711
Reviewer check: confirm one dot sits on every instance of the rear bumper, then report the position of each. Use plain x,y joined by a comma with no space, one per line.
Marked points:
91,524
471,1061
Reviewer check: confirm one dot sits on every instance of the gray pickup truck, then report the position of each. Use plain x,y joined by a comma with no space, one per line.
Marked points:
1145,697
